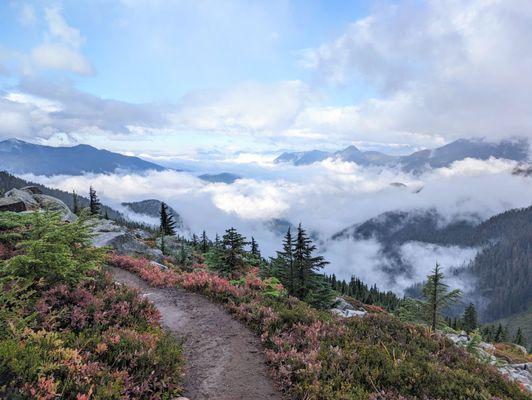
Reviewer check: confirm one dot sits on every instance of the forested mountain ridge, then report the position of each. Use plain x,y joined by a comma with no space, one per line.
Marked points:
502,267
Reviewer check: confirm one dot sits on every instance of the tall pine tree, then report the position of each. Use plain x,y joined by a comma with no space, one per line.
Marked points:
94,204
204,242
519,338
75,203
167,224
283,264
437,297
470,319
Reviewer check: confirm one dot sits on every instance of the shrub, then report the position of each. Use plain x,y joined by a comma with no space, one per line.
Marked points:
315,355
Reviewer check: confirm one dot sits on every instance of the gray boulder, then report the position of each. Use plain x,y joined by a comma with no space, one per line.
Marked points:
50,203
25,196
344,309
109,234
12,204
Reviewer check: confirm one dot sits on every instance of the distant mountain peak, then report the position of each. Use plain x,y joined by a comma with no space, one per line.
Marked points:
20,157
513,149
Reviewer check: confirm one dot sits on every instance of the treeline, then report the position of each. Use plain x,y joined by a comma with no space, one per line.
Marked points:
360,291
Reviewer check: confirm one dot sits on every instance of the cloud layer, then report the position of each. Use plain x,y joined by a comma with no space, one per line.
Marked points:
326,198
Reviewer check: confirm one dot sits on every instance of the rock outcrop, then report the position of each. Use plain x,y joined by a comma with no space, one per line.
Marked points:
345,309
108,233
30,198
518,372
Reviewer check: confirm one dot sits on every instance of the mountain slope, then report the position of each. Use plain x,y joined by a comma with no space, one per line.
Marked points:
223,177
502,267
418,161
19,157
152,208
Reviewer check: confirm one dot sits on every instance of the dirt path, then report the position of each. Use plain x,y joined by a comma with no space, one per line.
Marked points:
224,359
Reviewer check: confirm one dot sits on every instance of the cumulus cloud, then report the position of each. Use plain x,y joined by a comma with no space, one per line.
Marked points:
326,197
39,109
442,69
247,108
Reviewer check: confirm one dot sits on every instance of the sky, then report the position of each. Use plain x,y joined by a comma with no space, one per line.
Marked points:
176,78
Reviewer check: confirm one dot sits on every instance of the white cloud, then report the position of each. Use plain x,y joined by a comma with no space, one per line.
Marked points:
27,16
59,29
245,109
59,56
60,48
442,69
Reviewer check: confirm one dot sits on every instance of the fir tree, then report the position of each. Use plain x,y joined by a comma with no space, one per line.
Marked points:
254,247
500,335
194,241
167,224
518,338
283,264
94,204
437,297
229,258
204,242
469,320
75,203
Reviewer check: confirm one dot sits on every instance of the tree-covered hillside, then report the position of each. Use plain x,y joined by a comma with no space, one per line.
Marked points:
502,267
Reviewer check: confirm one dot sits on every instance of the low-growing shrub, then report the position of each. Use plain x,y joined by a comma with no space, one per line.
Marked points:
315,355
73,333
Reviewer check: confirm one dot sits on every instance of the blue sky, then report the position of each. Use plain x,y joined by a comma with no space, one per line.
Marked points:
176,77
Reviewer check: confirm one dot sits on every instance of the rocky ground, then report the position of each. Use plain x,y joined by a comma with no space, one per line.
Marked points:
224,359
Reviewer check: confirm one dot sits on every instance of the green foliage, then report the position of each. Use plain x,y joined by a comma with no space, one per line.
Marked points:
229,257
167,223
358,290
66,330
469,320
437,297
297,268
54,251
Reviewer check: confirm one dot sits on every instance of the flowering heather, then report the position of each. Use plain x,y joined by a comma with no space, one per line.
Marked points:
316,355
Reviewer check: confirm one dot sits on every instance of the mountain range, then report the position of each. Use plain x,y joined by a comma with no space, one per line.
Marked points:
418,161
19,157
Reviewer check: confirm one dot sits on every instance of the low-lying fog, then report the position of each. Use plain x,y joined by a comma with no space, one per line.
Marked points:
325,197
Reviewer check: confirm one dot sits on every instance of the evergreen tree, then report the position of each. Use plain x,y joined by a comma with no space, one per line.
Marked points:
194,241
437,297
469,320
283,264
499,334
310,286
204,242
167,224
229,258
75,203
94,204
254,248
518,338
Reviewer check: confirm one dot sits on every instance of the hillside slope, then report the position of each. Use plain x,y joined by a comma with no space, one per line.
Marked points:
502,267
